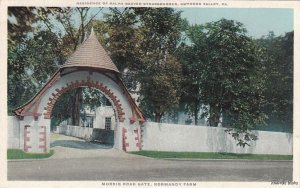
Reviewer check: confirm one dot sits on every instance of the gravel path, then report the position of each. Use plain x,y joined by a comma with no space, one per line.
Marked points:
71,147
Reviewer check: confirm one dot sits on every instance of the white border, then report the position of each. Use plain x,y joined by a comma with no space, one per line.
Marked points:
295,5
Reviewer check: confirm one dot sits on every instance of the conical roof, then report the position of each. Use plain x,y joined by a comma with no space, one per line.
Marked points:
91,54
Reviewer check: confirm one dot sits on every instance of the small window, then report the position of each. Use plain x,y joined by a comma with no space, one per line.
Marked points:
108,123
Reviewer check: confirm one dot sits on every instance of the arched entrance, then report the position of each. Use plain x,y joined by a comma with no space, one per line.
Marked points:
97,120
90,67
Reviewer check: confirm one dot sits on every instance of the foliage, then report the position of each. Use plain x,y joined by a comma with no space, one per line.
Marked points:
226,69
279,84
123,39
160,76
160,89
30,64
142,42
91,99
20,23
190,98
123,43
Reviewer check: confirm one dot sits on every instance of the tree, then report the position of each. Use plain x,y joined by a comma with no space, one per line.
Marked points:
279,84
160,88
161,75
35,52
122,36
91,99
123,43
142,42
19,25
191,97
30,64
227,68
20,22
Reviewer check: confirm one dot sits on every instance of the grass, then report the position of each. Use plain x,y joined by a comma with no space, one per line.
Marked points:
19,154
208,155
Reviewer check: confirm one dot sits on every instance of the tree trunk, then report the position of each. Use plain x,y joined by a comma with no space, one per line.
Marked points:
196,112
72,115
77,106
75,116
158,117
214,115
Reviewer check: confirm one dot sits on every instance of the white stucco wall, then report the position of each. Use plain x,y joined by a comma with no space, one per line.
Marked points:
173,137
13,132
163,137
101,113
76,131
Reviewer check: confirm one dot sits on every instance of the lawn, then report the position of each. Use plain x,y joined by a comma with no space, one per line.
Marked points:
208,155
19,154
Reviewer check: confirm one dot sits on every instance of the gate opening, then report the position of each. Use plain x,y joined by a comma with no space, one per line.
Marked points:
84,113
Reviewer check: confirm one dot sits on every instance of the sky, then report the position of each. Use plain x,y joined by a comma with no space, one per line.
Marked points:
257,21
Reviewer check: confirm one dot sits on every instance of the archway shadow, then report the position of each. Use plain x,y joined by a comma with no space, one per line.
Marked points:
77,144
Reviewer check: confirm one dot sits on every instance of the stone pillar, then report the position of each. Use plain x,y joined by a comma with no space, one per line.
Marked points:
26,124
118,136
34,135
130,135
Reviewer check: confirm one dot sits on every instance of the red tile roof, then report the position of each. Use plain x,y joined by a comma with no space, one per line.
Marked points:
91,54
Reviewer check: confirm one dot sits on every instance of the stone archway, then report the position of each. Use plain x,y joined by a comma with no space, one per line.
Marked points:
89,66
37,112
95,133
85,83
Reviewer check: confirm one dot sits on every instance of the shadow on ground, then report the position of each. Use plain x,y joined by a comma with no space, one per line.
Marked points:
79,144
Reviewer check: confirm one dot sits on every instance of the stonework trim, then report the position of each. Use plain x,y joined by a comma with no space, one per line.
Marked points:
26,138
137,138
31,107
85,83
125,145
134,107
43,140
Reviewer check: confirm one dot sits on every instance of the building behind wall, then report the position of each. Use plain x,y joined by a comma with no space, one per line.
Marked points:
102,117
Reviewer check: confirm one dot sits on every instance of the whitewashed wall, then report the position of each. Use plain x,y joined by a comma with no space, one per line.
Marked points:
76,131
173,137
101,113
13,132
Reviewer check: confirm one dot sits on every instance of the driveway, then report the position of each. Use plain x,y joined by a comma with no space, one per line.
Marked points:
101,162
67,147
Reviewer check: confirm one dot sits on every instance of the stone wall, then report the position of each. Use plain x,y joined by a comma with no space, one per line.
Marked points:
173,137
